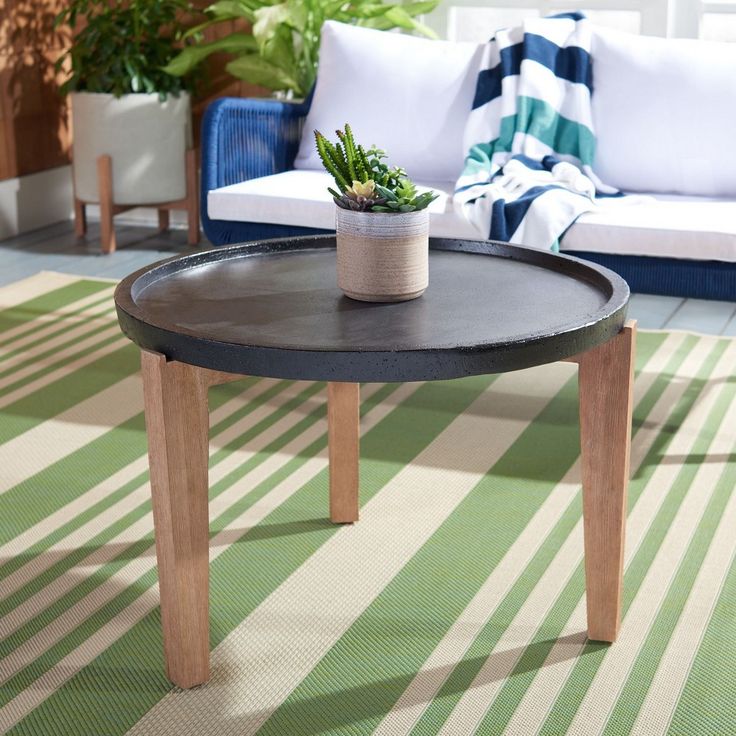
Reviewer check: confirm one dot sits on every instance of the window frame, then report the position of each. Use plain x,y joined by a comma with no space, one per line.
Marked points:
667,18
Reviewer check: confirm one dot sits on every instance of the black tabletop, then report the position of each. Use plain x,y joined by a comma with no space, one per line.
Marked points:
272,308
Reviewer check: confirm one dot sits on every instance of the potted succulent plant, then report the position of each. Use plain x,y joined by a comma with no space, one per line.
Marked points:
382,223
125,107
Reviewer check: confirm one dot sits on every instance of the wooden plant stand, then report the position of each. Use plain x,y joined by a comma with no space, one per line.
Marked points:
108,209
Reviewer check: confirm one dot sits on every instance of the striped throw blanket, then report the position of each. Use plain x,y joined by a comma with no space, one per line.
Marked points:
530,136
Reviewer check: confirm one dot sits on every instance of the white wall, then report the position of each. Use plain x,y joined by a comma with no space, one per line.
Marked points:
30,202
36,200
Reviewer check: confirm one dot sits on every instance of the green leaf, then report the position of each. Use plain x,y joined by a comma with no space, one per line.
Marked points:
267,21
387,193
398,17
372,10
381,9
229,10
279,50
235,43
298,14
420,8
256,70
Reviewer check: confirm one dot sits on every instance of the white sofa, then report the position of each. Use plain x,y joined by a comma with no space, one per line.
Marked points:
664,113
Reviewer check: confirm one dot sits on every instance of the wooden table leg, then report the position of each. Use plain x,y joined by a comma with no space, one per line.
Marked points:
343,422
177,422
605,382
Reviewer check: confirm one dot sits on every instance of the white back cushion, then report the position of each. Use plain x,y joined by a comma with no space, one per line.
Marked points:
664,112
409,96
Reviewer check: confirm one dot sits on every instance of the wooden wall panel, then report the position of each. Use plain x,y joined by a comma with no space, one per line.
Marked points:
34,130
33,126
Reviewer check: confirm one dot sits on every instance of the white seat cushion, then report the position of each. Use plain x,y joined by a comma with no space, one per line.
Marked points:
409,96
699,228
300,198
663,226
664,112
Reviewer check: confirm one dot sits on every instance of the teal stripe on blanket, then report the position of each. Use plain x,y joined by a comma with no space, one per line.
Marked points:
540,120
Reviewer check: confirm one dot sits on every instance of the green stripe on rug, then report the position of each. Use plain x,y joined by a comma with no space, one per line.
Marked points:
66,391
394,442
640,677
533,658
593,654
40,334
74,475
38,357
33,626
457,597
398,631
28,311
462,677
708,703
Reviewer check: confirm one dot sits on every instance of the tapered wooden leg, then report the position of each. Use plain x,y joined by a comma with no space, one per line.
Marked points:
606,382
177,423
80,218
192,198
163,221
104,185
343,421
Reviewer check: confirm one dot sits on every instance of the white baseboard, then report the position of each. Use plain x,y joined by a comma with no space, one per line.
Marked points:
34,201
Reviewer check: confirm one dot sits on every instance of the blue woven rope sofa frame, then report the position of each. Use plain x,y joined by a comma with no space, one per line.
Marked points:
245,138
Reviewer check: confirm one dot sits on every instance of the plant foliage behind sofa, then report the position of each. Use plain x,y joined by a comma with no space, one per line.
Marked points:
123,46
282,50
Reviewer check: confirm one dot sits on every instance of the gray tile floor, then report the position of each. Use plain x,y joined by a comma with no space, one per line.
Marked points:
55,248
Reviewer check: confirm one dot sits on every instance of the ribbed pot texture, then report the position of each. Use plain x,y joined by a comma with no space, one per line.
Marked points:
382,256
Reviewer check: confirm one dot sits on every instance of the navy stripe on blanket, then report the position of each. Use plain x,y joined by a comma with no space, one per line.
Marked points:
546,164
507,216
572,15
571,63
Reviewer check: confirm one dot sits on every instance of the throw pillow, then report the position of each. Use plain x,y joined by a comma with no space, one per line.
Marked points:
410,96
664,112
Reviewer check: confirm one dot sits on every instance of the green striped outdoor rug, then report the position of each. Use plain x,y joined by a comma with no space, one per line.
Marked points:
454,606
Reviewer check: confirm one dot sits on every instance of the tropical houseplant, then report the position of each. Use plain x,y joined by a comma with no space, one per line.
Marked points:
382,222
131,120
282,49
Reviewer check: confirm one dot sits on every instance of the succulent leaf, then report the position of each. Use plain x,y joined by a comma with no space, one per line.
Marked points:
360,189
365,181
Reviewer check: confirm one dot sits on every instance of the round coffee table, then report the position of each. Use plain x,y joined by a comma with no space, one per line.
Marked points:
272,308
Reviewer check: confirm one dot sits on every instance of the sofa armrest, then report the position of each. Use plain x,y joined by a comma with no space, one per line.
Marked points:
245,138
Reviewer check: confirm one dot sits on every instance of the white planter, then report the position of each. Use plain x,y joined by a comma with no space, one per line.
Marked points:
146,139
382,257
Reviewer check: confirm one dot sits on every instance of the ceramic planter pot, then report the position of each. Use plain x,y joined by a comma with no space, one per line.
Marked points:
146,139
382,256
